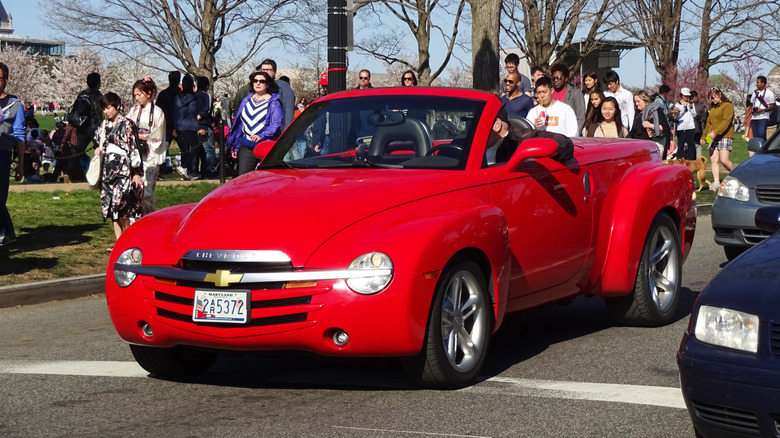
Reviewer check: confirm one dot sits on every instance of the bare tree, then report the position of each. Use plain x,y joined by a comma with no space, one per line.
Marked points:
657,23
485,16
418,16
544,30
186,34
730,28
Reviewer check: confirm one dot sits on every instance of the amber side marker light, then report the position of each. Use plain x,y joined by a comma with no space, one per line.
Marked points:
433,275
165,280
299,284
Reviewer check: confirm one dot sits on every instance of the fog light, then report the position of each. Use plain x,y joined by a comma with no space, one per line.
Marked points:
147,329
341,338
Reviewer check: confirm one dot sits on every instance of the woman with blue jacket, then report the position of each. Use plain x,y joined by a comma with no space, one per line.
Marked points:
259,118
186,126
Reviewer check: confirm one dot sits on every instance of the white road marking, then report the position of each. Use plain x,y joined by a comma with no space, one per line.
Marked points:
616,393
610,392
407,432
74,368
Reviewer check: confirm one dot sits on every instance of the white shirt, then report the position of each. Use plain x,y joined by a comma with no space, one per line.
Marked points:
685,116
768,97
560,118
626,103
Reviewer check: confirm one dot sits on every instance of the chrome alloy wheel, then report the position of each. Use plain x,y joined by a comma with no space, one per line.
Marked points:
663,273
464,321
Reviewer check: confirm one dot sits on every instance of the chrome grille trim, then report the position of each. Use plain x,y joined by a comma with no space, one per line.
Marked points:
254,277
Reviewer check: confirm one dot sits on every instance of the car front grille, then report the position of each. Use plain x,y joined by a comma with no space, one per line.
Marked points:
768,194
754,236
737,419
275,303
774,340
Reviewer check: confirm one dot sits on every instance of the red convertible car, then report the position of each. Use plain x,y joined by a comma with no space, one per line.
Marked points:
402,223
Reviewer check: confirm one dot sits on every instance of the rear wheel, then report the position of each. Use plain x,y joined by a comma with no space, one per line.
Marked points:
171,363
657,287
733,252
458,330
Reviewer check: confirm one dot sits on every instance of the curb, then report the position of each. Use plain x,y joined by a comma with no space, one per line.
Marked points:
703,210
50,290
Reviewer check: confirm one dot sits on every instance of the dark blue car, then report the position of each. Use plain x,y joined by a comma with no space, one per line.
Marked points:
729,359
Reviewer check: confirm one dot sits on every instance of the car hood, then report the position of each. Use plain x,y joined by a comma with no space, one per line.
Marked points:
749,283
296,210
758,169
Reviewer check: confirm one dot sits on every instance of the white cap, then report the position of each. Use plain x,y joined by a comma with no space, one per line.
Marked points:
685,92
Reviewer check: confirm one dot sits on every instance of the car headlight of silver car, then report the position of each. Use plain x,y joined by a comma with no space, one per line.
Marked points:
371,284
132,256
727,328
732,188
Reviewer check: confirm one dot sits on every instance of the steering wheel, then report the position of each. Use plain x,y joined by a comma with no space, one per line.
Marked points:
446,150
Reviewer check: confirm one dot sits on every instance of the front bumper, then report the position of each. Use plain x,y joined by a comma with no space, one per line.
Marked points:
734,221
284,316
728,393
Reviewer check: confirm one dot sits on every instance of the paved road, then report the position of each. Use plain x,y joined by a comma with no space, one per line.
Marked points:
561,371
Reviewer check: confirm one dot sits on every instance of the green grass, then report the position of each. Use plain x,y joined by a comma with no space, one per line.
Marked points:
62,234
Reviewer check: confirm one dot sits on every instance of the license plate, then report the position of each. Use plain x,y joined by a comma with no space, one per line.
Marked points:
221,306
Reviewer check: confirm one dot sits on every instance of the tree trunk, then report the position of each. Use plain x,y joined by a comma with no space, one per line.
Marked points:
485,16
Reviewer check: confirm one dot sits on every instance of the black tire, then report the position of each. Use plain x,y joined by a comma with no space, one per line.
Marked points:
451,360
656,292
733,252
173,363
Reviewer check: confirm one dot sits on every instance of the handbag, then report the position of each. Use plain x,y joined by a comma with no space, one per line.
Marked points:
143,145
94,171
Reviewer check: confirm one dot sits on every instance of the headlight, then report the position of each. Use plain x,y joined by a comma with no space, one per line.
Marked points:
132,256
375,283
732,188
727,328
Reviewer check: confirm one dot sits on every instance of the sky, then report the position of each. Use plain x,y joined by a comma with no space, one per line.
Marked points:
633,70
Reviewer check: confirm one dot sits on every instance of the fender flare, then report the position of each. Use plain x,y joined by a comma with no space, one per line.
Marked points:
631,206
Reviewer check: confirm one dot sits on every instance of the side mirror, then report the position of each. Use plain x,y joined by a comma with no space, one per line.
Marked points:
768,219
532,148
755,145
263,148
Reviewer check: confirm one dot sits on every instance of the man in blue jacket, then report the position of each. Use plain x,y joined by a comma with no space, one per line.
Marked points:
11,135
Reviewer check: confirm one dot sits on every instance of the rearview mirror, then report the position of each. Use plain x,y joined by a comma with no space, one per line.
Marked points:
768,219
532,148
263,148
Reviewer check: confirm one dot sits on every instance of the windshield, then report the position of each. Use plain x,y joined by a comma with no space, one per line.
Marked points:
402,131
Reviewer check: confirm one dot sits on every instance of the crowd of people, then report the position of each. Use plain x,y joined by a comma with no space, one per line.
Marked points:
605,109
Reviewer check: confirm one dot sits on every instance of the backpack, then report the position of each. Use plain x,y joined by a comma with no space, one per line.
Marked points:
81,111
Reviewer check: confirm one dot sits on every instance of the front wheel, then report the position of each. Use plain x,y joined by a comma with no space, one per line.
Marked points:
173,363
733,252
457,332
657,287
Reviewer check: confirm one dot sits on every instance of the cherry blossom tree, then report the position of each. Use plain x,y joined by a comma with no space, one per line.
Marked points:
26,79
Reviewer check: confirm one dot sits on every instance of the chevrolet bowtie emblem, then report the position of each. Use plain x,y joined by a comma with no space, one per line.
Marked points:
223,278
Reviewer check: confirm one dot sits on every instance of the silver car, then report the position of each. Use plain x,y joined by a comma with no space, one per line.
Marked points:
750,186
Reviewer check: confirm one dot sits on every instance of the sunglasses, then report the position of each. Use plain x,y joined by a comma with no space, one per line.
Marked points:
507,81
557,78
408,79
364,78
259,81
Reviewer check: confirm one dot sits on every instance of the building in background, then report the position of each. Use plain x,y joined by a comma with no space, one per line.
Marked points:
32,45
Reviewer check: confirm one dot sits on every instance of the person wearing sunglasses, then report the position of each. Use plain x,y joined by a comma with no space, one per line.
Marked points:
259,118
408,79
566,93
516,102
364,78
